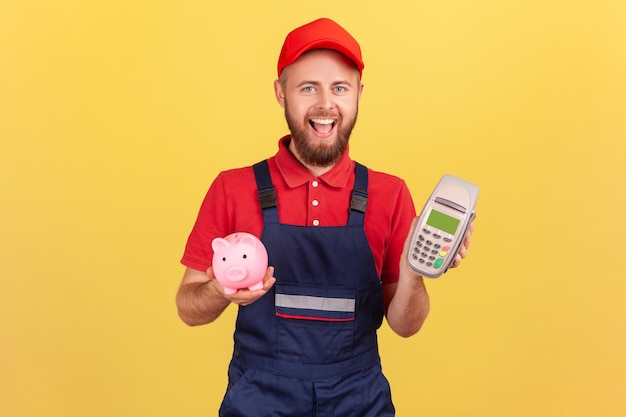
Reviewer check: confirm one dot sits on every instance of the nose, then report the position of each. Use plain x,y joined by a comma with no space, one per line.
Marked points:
325,100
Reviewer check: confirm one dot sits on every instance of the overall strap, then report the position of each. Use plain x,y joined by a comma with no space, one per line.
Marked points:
358,203
267,195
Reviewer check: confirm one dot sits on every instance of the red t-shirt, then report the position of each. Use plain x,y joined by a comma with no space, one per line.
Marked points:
231,205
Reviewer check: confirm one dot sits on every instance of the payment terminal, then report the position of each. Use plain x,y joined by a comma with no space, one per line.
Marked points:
442,226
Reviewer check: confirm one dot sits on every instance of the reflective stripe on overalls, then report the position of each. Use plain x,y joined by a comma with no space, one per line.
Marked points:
309,347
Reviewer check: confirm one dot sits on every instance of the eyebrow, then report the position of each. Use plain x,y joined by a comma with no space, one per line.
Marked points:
317,83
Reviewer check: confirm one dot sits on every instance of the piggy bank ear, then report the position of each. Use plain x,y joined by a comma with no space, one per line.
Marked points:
248,241
219,244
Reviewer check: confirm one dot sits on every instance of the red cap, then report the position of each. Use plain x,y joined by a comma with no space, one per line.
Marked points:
319,34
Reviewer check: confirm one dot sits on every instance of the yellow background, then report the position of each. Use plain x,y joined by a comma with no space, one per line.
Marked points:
115,117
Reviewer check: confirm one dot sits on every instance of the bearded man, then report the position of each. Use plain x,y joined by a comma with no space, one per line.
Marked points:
335,231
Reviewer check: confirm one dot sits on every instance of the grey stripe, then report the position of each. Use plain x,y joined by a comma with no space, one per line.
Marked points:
315,303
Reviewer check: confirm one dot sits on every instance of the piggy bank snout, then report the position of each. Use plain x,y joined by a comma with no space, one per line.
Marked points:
236,273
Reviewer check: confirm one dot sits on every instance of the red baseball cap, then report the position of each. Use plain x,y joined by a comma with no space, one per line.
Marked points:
319,34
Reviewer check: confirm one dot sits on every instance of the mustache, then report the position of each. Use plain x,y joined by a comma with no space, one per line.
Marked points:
323,115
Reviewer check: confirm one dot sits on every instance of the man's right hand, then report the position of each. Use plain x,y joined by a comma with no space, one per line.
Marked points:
243,296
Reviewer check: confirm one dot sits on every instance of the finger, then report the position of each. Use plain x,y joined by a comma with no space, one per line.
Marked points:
463,252
407,241
269,273
268,283
268,280
468,237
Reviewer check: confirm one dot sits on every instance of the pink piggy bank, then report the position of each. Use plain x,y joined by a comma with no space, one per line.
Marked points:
239,261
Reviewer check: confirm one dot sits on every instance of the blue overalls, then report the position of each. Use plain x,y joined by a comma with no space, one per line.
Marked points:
309,347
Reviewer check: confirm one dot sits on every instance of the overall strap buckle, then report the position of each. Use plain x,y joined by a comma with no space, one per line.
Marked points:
358,202
266,192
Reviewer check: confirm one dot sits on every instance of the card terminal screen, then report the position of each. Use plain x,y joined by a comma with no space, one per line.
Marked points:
443,222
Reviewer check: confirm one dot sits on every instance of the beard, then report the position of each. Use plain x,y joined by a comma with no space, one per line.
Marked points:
319,154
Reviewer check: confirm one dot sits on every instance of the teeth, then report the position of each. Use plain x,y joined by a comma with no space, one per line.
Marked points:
323,121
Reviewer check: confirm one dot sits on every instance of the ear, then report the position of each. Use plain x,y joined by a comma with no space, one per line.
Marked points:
219,243
248,241
361,85
280,93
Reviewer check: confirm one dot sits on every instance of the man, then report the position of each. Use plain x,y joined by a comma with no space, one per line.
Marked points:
335,232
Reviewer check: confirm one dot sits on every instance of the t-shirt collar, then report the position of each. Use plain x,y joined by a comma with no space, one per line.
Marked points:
296,174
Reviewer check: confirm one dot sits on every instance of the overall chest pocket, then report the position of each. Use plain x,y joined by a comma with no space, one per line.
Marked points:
315,324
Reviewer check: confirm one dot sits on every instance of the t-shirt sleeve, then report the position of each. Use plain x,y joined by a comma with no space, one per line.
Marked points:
402,216
211,222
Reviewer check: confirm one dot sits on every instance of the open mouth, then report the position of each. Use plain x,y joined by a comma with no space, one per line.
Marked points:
322,126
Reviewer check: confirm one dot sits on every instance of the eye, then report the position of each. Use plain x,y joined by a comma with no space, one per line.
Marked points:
340,89
245,256
224,259
308,89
